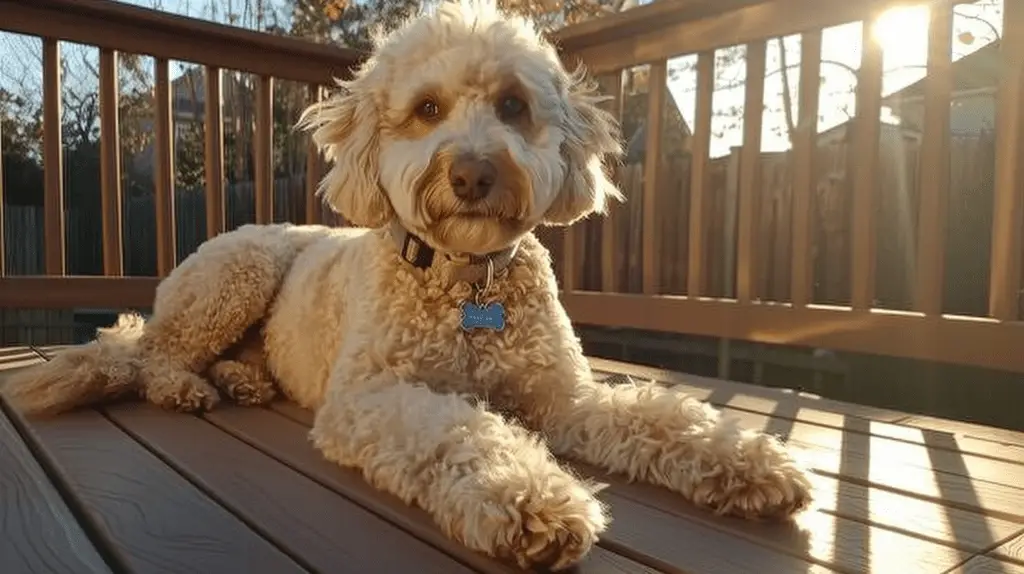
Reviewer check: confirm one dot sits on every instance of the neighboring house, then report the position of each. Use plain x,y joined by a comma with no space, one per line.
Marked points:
676,133
188,107
972,110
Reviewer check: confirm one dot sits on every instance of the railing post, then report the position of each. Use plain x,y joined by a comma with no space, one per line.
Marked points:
110,165
164,172
805,147
1008,208
934,191
53,164
695,279
656,87
314,166
864,165
214,160
609,226
263,150
750,168
3,250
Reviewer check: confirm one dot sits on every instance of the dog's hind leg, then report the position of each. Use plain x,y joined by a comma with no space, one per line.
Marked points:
206,305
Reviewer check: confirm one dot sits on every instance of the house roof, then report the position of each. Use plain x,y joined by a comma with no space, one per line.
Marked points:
979,69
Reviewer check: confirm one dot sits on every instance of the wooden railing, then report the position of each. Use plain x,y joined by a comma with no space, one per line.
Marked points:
648,35
114,27
611,45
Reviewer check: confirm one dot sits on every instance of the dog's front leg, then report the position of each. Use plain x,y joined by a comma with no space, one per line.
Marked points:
661,435
486,482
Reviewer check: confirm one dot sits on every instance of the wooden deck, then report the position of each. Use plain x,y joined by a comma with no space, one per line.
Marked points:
131,488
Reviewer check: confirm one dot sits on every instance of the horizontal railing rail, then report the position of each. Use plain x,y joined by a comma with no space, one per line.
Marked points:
137,30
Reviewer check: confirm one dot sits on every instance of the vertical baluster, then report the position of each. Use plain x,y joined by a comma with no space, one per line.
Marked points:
264,160
934,190
608,225
750,167
570,256
164,172
214,156
53,171
656,90
695,279
110,165
314,166
1005,282
863,163
804,183
3,249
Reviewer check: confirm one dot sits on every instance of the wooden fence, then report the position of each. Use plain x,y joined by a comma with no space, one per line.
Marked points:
24,227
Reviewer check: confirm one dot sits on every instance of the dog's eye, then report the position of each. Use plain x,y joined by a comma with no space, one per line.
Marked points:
428,110
511,108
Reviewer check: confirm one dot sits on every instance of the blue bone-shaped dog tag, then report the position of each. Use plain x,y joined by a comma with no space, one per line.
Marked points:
488,316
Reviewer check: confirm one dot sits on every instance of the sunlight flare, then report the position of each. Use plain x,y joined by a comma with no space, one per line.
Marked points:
901,27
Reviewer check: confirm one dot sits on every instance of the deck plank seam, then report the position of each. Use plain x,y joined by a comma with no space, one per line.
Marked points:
1012,559
42,354
93,532
902,421
197,483
354,500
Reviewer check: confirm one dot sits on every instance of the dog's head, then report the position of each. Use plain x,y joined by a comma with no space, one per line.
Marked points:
465,126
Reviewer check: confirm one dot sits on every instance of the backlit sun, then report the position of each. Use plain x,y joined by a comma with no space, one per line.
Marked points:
904,26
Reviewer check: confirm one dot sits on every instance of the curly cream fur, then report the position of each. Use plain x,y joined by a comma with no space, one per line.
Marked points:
374,345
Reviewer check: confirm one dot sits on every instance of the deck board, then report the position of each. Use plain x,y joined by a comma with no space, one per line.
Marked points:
785,404
286,439
1012,550
152,518
652,537
340,537
13,358
931,535
988,565
964,481
243,489
818,537
29,506
821,537
999,436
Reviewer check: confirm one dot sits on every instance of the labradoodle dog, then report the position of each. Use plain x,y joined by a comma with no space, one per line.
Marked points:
430,341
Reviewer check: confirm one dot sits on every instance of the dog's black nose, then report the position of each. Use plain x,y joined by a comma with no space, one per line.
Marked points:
472,178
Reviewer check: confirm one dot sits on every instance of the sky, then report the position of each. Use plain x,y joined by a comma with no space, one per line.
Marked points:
902,34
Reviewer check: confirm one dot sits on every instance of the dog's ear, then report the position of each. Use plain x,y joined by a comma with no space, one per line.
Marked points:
591,139
345,128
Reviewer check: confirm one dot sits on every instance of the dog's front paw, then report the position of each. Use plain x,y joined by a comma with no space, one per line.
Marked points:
754,478
552,527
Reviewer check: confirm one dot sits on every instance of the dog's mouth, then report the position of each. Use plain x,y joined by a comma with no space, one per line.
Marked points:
496,211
